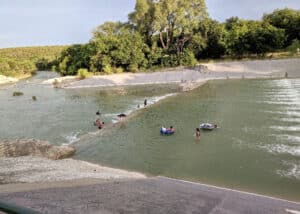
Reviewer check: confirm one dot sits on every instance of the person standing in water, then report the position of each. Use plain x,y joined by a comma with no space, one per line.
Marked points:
145,102
198,133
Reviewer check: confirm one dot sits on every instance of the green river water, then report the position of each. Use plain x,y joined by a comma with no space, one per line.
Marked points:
256,148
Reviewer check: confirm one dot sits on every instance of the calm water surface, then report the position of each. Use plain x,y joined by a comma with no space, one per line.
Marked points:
256,149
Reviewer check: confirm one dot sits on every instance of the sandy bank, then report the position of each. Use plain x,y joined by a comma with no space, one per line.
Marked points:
275,67
36,169
7,80
184,76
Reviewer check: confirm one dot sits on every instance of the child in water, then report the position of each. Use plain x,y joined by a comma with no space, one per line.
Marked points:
198,133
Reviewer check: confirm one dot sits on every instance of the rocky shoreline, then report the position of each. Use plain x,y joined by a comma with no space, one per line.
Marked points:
30,161
33,147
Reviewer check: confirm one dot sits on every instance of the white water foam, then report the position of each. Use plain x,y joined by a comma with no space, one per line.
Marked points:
140,103
293,170
288,113
132,108
285,128
280,102
292,120
288,138
73,137
282,149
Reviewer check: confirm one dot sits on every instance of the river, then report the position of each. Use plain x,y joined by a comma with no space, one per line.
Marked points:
256,148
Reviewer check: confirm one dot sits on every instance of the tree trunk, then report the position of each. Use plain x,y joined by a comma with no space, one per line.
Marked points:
162,40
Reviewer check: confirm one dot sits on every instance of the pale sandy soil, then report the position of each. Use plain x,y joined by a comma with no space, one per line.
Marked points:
29,169
201,73
7,80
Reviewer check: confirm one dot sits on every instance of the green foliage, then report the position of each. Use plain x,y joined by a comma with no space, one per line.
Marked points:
133,68
82,73
187,58
252,37
118,70
74,58
18,93
294,47
24,61
209,41
107,69
287,19
115,49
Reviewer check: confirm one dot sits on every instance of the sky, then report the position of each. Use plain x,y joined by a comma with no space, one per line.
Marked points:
61,22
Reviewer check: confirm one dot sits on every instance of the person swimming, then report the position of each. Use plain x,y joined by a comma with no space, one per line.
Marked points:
99,123
171,129
198,133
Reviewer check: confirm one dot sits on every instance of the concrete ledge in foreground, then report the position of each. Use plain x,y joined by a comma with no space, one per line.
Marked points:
152,195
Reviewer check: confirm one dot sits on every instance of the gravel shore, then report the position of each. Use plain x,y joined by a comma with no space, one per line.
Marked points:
30,169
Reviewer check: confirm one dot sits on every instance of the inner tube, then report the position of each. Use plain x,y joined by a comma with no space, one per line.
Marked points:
207,126
166,132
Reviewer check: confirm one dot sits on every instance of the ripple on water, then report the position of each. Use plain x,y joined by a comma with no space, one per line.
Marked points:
292,171
288,138
285,113
291,120
286,128
71,138
283,149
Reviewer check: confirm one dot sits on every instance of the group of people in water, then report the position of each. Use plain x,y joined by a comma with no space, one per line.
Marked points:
99,123
171,130
164,131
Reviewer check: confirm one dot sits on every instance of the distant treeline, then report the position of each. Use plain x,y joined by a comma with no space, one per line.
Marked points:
169,33
23,61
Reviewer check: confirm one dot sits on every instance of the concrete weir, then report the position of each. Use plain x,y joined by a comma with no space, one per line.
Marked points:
150,195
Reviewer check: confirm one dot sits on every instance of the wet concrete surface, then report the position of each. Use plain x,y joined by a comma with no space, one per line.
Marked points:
152,195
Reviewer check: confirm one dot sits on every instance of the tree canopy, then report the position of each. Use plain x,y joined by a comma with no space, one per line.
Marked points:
164,33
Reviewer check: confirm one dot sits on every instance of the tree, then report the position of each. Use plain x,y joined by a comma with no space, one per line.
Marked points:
209,40
287,19
75,57
175,21
253,37
117,46
142,19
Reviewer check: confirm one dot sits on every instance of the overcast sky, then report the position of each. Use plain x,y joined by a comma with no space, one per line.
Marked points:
57,22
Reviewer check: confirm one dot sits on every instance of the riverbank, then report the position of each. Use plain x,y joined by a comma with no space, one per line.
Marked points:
28,169
7,80
187,76
29,161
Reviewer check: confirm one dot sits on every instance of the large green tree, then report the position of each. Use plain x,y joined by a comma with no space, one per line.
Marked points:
252,37
173,20
287,19
117,47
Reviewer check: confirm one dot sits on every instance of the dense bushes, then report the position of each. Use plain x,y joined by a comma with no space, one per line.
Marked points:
82,73
23,61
